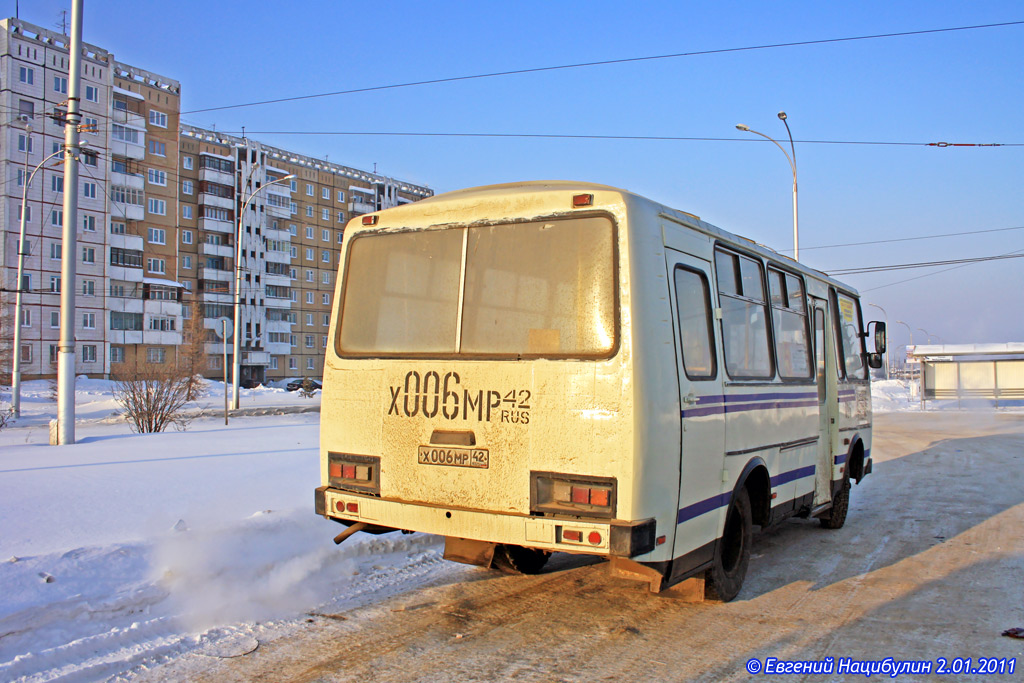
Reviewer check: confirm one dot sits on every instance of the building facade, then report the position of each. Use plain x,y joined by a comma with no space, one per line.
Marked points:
159,204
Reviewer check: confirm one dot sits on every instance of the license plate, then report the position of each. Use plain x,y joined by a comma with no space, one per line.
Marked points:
453,457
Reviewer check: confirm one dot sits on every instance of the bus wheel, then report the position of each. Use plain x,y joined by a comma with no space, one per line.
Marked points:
732,552
836,516
515,559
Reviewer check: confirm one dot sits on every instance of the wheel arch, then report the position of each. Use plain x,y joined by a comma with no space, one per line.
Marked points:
855,458
758,482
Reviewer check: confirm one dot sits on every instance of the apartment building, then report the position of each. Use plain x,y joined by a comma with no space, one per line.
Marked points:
158,215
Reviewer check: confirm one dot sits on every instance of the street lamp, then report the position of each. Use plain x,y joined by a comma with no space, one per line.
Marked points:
792,165
909,331
236,369
16,365
886,315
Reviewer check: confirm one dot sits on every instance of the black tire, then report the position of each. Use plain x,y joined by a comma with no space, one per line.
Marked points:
515,559
836,516
732,552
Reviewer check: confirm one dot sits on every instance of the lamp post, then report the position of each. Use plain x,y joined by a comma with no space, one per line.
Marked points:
792,166
886,316
927,334
16,365
236,369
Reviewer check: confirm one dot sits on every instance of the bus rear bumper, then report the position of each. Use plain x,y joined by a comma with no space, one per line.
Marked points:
613,538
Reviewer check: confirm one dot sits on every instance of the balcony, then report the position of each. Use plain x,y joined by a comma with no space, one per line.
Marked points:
275,279
224,250
129,118
359,207
217,297
135,181
255,358
215,225
215,274
125,273
278,211
215,176
219,202
131,212
130,242
217,348
278,256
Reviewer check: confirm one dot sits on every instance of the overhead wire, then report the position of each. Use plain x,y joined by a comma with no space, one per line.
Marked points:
605,62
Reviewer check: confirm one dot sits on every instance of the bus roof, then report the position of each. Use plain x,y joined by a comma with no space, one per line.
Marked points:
505,190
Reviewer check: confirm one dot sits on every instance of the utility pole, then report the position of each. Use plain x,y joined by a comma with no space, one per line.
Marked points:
66,349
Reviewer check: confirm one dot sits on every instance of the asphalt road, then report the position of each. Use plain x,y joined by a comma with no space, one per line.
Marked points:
928,566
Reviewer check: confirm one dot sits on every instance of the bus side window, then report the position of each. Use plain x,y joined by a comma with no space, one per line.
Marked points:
745,345
693,307
789,315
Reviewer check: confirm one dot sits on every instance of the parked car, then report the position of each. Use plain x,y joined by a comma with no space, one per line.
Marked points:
296,384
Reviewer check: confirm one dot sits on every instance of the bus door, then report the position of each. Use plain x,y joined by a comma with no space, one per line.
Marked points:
828,400
702,407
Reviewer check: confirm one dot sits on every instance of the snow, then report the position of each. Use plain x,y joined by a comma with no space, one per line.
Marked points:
126,550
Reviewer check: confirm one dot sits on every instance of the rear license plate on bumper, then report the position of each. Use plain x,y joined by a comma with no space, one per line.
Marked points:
454,457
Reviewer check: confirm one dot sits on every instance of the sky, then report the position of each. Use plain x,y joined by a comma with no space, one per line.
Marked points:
958,87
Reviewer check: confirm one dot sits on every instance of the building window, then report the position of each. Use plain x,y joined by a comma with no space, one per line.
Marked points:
157,177
157,148
309,363
327,319
309,254
325,298
89,353
309,276
325,235
91,126
156,354
56,183
157,236
26,75
293,252
186,212
131,322
26,353
186,237
57,217
160,323
54,283
293,340
341,219
56,251
293,364
88,287
309,211
55,319
116,354
89,190
325,193
60,84
309,341
309,300
273,362
325,278
325,256
293,184
158,207
309,189
156,265
53,353
186,187
186,262
309,320
92,93
88,255
157,118
341,195
89,223
89,321
293,208
309,232
323,341
186,163
24,144
325,214
26,317
117,228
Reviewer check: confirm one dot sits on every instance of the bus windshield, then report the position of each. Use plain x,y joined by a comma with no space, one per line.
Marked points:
538,288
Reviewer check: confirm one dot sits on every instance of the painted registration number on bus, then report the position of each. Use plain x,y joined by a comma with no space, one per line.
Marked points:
455,457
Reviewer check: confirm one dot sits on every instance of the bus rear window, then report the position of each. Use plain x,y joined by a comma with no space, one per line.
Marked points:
535,289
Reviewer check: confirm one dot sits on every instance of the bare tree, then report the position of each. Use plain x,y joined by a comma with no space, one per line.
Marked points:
152,398
192,353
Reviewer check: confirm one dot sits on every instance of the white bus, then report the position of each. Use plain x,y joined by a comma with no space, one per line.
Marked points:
552,366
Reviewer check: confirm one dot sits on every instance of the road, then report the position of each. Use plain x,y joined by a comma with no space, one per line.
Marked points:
929,565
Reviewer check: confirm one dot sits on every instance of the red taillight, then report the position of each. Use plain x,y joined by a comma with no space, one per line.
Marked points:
579,200
334,469
594,537
369,220
348,471
600,497
340,506
352,508
661,540
580,494
575,536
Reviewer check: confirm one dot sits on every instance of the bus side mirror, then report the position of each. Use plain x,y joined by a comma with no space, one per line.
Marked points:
879,336
874,360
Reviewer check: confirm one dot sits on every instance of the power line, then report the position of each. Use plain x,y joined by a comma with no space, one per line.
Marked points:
903,239
919,277
605,62
922,264
660,138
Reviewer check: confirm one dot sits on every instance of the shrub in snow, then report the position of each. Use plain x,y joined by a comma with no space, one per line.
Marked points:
6,415
152,398
307,390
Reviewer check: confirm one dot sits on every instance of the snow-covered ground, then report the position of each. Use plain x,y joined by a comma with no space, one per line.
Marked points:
124,550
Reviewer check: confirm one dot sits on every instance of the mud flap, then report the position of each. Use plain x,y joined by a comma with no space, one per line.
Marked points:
466,551
623,568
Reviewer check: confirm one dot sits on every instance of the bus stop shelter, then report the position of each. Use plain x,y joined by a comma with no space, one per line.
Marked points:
970,372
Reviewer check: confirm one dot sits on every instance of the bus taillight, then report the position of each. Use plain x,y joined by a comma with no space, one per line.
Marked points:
353,472
578,495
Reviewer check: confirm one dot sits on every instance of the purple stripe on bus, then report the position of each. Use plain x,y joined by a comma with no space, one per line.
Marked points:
719,409
721,500
792,475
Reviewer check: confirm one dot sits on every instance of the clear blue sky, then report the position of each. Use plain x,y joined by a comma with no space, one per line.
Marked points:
957,87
